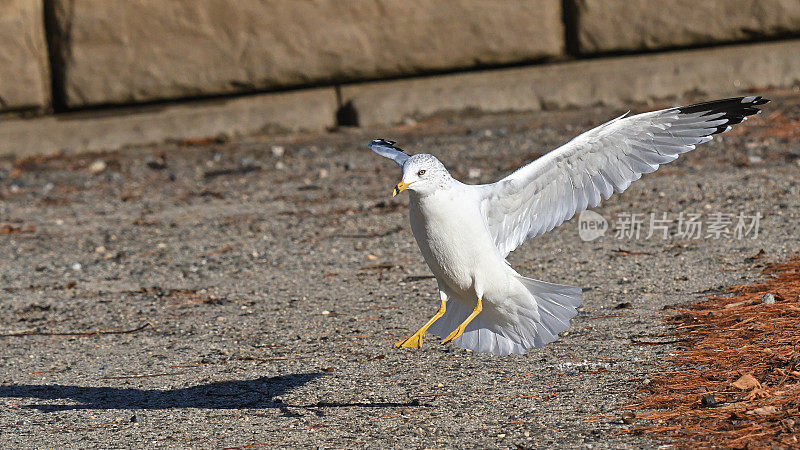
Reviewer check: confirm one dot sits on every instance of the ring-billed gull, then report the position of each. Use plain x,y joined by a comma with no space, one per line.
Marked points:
466,231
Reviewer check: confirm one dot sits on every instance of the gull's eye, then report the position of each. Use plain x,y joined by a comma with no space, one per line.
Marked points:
421,172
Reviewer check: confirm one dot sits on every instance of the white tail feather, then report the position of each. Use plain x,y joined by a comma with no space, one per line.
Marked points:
537,321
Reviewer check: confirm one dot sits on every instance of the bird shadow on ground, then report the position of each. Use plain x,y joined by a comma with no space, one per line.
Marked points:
258,393
255,393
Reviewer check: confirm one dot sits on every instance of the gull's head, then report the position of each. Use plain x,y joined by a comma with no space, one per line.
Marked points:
423,174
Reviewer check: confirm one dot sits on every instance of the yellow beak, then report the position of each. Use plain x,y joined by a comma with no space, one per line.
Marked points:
401,186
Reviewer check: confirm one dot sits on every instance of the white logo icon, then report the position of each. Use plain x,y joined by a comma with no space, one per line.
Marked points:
591,225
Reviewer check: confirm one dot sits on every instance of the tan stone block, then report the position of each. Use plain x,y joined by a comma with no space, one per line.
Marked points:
618,81
310,109
626,25
133,51
24,75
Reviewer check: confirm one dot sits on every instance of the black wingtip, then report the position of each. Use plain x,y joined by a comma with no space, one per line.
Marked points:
734,110
386,142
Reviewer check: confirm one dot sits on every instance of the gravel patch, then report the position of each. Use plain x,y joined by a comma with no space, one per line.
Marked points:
258,286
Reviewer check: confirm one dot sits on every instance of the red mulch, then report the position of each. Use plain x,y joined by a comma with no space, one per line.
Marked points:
743,356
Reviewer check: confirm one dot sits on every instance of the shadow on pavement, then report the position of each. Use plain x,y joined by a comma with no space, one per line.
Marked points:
256,393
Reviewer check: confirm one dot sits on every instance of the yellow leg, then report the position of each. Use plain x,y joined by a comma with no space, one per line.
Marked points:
415,341
460,330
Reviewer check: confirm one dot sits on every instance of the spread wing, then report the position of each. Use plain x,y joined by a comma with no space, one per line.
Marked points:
544,193
388,150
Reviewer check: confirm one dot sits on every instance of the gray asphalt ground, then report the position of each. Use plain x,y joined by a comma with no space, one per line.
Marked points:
271,289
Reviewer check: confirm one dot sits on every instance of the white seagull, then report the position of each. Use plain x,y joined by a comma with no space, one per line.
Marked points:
466,231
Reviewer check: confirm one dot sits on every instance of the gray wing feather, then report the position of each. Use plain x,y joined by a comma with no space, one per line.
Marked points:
387,149
578,175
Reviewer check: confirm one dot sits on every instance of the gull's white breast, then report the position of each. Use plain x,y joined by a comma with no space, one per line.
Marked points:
452,234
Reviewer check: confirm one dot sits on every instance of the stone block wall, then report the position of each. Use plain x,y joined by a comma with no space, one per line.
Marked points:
24,72
102,52
144,50
602,26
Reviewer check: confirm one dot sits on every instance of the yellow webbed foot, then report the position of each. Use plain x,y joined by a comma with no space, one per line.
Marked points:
414,341
455,334
460,330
